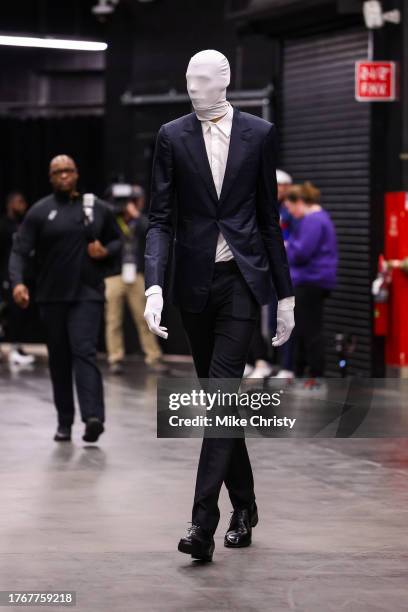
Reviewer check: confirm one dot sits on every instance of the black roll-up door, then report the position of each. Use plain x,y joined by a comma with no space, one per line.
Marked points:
325,139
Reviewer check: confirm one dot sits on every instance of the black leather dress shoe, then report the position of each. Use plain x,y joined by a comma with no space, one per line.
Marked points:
93,429
239,533
198,543
63,434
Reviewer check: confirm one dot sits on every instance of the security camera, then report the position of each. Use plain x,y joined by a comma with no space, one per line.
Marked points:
374,16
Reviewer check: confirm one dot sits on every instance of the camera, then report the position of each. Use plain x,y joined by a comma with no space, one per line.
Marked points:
120,194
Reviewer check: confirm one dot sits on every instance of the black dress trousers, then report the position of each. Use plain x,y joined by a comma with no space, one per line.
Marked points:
220,337
309,338
72,330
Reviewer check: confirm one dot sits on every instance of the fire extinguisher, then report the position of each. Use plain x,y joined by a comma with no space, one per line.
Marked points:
381,293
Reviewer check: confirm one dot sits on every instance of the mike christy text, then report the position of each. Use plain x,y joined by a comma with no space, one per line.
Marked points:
256,420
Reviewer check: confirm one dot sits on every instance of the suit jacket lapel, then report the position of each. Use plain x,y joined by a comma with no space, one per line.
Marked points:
240,135
194,141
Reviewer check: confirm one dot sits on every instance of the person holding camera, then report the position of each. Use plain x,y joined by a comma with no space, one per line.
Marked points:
127,284
72,236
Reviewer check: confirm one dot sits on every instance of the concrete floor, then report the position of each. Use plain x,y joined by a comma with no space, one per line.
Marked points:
104,521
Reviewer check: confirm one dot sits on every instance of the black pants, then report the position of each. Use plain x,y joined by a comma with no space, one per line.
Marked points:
19,322
72,333
286,352
219,337
258,349
309,340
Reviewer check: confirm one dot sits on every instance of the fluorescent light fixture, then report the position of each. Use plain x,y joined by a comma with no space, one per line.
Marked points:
52,43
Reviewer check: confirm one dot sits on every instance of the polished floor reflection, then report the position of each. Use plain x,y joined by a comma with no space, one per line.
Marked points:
105,520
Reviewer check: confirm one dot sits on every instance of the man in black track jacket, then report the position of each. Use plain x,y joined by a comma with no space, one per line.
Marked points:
73,237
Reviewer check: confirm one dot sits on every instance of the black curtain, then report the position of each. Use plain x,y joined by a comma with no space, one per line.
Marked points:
27,146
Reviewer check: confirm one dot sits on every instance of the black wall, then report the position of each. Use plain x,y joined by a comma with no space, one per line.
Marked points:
27,145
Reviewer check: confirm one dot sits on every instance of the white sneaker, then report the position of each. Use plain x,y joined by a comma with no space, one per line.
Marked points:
248,370
262,369
285,374
19,357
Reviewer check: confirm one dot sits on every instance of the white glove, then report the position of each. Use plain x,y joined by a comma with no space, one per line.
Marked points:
153,311
285,321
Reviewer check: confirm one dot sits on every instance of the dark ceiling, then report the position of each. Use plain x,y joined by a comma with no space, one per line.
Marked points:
53,17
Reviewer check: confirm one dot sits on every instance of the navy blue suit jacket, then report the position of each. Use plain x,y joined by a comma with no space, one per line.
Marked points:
183,193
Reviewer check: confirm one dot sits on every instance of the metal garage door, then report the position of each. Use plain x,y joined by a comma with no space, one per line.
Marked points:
325,138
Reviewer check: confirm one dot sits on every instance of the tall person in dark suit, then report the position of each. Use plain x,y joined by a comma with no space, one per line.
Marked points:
229,259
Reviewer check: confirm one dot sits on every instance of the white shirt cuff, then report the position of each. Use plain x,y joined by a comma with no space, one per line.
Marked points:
287,303
153,289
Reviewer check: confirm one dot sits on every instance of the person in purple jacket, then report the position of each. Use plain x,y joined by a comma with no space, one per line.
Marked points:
312,255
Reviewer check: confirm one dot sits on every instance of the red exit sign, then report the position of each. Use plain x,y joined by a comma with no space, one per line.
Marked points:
375,81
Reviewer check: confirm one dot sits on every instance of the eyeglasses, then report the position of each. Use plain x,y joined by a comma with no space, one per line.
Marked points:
60,171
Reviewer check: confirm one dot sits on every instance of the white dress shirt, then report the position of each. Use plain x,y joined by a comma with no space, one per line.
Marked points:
217,140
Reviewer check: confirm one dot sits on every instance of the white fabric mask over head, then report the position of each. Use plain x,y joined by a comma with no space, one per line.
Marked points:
208,76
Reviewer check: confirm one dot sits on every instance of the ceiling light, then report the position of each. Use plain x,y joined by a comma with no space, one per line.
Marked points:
52,43
104,8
